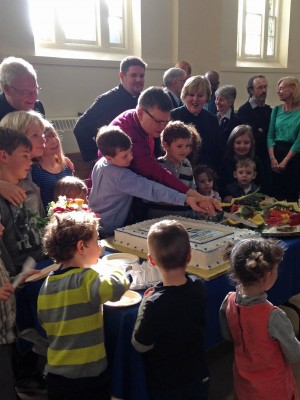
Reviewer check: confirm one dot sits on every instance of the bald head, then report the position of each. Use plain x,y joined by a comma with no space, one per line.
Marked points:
214,79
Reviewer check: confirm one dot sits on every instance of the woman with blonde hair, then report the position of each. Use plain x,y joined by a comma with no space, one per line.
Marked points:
195,93
284,140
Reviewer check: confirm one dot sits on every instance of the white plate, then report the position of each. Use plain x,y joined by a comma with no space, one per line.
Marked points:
129,298
121,259
43,273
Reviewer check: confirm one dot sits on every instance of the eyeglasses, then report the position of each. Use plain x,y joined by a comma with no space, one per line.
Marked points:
25,92
158,122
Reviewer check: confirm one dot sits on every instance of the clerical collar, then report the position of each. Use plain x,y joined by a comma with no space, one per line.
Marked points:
227,115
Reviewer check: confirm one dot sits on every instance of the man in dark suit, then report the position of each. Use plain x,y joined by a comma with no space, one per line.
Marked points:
109,105
173,80
256,113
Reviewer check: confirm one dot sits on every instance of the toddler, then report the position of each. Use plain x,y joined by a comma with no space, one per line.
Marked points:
205,178
244,174
263,337
71,187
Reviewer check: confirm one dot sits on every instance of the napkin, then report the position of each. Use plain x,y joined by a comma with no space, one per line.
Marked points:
144,275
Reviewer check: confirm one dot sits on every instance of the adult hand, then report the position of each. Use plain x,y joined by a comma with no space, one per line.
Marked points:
275,166
69,164
204,204
6,291
282,165
12,193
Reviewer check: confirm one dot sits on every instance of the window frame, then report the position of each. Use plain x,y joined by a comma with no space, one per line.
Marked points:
102,43
242,56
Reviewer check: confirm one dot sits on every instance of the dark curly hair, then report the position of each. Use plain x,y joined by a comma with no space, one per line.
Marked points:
251,259
65,230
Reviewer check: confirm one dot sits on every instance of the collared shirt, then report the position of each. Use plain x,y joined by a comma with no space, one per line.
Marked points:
225,117
254,104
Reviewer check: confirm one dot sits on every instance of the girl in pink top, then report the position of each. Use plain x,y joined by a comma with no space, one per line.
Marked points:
264,341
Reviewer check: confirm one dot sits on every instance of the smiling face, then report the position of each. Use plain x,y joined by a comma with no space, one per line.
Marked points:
223,104
195,101
22,93
178,150
204,184
242,145
134,79
52,145
35,133
244,176
285,91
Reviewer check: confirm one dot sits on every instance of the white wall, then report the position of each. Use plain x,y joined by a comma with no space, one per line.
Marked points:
200,31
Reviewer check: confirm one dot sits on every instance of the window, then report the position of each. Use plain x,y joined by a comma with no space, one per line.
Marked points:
258,30
84,25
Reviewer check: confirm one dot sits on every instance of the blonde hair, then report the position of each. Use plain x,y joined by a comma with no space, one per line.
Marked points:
60,156
196,84
292,81
20,120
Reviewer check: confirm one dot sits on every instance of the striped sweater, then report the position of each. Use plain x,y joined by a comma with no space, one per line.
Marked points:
69,307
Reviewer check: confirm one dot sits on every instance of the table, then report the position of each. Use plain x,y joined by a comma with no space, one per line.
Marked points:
127,365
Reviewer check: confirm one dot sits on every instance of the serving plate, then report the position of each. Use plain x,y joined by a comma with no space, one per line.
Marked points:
121,260
128,299
281,231
42,273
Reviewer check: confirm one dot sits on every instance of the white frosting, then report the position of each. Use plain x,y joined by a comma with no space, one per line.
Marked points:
207,239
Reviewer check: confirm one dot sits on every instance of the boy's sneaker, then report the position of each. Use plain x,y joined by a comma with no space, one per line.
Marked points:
34,384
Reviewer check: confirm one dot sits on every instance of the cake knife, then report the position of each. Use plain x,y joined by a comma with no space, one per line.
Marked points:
239,219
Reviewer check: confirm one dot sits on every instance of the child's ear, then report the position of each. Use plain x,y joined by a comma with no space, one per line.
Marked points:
234,174
3,156
165,145
189,257
109,158
80,247
254,175
152,262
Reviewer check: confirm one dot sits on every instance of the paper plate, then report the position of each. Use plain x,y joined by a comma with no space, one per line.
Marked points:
43,273
128,299
121,259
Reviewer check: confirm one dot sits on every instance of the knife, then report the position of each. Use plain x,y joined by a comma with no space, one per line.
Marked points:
239,219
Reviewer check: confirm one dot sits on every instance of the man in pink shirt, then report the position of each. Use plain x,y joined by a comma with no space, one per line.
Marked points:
142,125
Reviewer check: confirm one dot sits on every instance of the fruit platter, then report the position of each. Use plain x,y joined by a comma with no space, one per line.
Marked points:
271,217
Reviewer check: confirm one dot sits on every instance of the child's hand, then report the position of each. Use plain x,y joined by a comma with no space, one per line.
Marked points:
203,204
6,291
227,199
12,193
149,292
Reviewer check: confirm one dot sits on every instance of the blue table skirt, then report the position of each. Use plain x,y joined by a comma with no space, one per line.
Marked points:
127,367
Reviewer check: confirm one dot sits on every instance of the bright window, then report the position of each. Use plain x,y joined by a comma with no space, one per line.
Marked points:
258,30
84,25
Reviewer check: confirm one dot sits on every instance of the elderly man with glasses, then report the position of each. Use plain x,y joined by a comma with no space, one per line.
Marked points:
19,86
